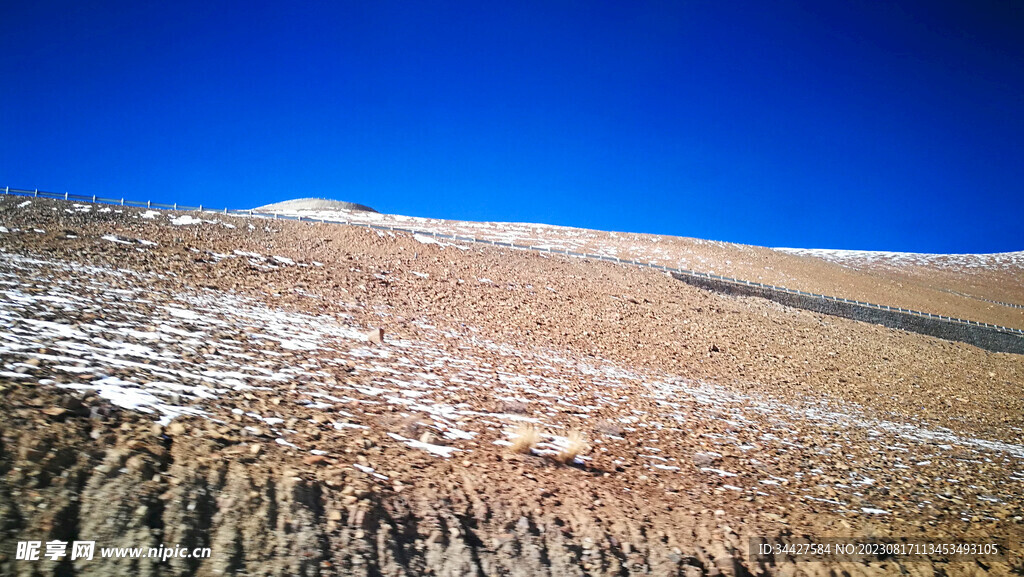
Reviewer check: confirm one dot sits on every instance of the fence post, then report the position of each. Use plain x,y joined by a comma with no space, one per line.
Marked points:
200,208
225,210
149,204
65,195
36,193
122,201
94,198
175,206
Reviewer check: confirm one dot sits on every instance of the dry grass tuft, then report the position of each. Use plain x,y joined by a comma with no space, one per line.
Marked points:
576,446
525,438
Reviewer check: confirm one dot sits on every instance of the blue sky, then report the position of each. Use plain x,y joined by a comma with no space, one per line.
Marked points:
861,125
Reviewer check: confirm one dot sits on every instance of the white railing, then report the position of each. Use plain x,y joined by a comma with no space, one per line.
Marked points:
695,274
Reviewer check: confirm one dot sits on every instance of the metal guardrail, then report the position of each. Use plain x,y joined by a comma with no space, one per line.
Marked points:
1011,305
276,216
1001,303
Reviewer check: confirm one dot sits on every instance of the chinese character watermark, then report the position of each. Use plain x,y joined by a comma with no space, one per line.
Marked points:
55,550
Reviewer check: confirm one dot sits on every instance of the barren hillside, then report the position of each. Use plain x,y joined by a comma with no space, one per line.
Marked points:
953,285
213,381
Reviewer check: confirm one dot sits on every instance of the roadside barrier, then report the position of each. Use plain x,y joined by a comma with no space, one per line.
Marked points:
1001,303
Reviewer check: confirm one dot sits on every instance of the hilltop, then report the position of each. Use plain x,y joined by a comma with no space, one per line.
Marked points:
305,204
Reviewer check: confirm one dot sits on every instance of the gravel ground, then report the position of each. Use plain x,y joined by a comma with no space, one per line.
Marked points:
215,382
951,285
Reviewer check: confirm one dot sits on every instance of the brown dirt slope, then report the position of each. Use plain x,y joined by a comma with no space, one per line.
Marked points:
951,285
207,381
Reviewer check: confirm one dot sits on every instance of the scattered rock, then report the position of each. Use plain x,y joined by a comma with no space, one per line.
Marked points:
314,460
704,459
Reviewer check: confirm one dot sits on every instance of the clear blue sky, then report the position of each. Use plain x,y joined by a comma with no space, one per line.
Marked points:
865,125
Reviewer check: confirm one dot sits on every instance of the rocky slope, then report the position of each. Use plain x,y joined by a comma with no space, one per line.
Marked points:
975,287
209,381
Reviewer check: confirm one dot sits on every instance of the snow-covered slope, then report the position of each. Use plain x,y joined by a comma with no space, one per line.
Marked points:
674,251
991,261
